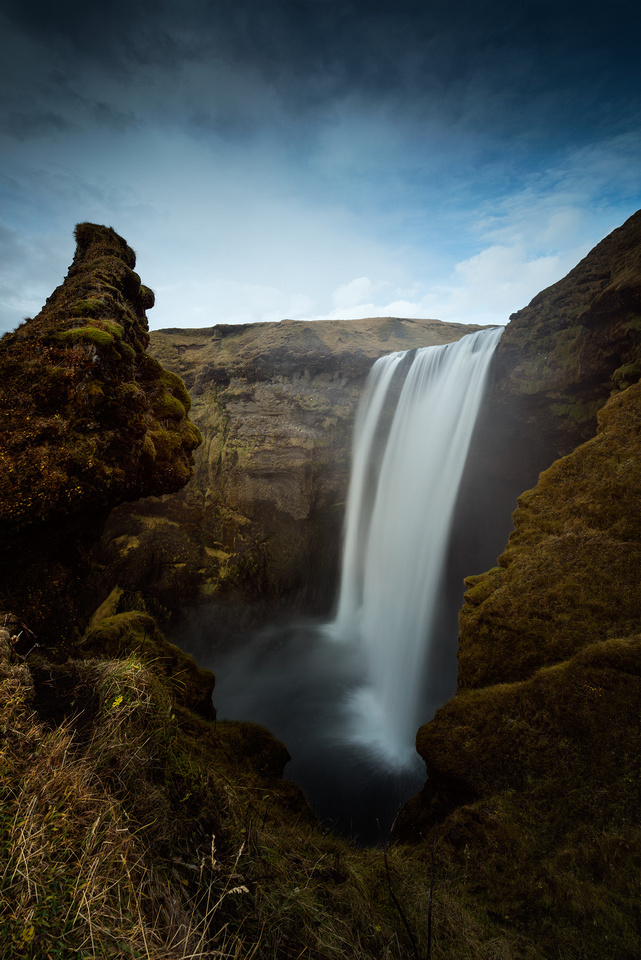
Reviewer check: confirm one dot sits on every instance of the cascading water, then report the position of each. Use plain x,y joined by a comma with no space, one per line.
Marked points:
399,515
348,707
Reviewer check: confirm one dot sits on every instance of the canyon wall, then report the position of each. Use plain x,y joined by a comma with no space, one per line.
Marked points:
261,521
532,768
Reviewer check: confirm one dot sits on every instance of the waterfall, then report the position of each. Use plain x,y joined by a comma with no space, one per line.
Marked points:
403,489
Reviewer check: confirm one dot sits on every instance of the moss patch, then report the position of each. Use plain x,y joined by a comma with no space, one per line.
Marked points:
570,573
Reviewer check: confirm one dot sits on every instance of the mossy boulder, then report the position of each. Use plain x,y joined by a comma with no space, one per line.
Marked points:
135,633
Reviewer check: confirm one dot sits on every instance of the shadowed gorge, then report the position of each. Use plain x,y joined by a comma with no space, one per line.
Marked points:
132,820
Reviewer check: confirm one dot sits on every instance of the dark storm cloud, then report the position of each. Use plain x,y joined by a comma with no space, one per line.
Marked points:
531,68
310,157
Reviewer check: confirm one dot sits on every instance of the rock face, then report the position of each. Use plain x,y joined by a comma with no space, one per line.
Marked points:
570,573
89,420
532,768
262,517
559,359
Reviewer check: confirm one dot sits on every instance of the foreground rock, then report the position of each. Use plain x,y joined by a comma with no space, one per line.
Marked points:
88,419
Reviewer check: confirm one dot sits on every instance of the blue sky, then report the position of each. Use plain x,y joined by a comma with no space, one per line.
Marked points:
316,158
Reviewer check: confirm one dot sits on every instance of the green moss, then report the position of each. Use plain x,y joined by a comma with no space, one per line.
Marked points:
101,338
126,351
135,633
627,374
175,385
578,411
88,308
571,565
128,391
113,328
551,803
166,406
147,297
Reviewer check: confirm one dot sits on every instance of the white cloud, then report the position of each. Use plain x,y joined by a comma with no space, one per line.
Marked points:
485,288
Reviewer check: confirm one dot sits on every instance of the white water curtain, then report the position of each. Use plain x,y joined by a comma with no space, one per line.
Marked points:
397,529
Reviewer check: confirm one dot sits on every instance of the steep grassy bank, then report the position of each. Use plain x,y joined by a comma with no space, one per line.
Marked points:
533,768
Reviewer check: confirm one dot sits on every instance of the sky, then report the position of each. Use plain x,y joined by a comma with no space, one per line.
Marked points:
309,159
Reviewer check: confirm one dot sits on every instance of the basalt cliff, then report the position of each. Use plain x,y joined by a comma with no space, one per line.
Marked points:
134,823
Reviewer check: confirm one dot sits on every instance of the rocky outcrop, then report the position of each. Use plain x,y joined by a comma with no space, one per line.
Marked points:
559,360
532,768
89,420
569,576
262,518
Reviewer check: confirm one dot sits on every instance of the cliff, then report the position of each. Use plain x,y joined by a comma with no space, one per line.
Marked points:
262,518
561,357
130,823
532,768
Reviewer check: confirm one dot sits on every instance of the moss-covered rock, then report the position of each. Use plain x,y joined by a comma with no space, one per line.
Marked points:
533,767
570,573
88,420
561,357
134,633
534,786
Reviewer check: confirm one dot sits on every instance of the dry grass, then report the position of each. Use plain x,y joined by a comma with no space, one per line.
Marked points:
138,829
96,861
77,874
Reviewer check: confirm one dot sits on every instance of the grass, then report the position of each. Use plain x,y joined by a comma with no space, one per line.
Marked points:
134,827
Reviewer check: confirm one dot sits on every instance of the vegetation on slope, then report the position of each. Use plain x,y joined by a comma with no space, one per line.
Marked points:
570,573
533,768
131,826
